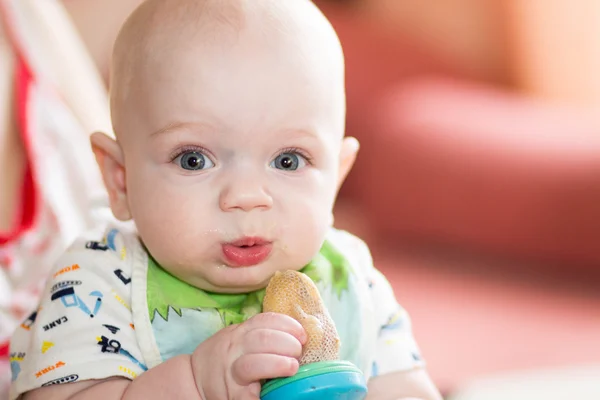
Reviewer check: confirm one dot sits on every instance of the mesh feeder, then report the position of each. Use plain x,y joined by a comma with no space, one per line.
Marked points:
322,375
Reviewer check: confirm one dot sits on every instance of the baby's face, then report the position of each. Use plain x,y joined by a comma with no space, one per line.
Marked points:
232,163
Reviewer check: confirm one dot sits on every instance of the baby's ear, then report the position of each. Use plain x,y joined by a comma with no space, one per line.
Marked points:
111,161
348,152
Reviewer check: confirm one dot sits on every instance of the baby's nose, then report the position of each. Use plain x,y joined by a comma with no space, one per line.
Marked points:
246,196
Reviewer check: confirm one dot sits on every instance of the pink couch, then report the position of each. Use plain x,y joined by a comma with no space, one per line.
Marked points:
482,207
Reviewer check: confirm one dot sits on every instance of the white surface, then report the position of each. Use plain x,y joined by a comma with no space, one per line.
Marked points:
581,383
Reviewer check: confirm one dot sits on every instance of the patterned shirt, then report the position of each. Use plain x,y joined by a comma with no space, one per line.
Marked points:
109,310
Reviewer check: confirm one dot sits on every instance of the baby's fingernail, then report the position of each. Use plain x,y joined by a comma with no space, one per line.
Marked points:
294,366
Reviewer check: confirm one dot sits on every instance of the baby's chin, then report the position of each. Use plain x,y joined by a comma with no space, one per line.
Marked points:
225,279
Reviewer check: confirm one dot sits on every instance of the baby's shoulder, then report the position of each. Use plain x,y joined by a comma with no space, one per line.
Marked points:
84,316
364,279
103,254
352,249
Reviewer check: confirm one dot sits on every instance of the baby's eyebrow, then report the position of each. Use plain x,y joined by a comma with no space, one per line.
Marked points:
176,126
295,133
301,133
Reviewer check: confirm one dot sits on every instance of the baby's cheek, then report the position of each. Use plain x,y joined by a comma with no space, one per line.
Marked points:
167,224
307,233
171,247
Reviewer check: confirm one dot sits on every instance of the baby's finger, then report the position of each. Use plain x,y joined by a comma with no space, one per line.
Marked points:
245,395
280,322
269,341
251,368
251,392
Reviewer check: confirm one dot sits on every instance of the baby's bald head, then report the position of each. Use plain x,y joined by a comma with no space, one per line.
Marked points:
230,119
160,32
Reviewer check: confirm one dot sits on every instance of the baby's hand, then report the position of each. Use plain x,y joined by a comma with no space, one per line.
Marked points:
230,364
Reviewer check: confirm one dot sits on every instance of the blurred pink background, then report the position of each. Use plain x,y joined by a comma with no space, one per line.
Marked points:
478,181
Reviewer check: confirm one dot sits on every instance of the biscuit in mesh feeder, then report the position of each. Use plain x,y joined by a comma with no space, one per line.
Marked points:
322,376
295,294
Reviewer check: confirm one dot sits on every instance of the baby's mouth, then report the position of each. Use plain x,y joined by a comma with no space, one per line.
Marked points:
247,251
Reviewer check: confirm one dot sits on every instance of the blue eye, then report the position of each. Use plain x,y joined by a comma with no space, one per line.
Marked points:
193,161
289,161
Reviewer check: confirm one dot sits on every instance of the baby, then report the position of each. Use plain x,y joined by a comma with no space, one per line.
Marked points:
229,118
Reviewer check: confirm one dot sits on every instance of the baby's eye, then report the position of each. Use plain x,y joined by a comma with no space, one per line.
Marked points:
193,161
289,161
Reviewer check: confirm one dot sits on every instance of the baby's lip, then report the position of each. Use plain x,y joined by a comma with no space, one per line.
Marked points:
247,251
248,241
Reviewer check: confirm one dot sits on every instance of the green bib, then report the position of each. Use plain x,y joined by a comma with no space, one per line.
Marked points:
166,293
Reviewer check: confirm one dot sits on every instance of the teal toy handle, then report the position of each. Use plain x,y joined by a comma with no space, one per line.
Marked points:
335,380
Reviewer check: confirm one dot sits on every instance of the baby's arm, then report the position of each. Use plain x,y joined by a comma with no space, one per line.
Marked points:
228,365
172,379
403,385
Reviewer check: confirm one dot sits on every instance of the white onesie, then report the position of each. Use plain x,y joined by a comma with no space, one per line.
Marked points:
109,310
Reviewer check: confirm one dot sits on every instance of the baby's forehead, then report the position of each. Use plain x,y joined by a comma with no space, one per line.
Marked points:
163,35
157,24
